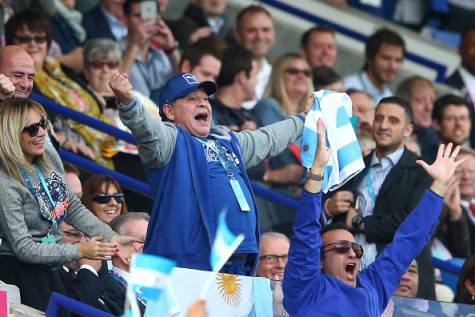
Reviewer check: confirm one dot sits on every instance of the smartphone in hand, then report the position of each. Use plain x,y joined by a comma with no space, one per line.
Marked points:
149,12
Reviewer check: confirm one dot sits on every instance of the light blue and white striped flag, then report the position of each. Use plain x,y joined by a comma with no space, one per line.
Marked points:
224,245
346,161
149,276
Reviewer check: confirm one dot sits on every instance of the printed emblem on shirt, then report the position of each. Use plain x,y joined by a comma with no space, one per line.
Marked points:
211,153
59,195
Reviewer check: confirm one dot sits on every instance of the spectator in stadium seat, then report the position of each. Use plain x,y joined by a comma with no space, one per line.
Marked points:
322,277
363,109
286,95
106,20
273,253
384,54
16,72
451,118
421,95
255,32
152,54
105,289
201,19
466,283
31,30
72,177
104,197
236,83
318,46
191,166
326,78
386,190
34,202
202,59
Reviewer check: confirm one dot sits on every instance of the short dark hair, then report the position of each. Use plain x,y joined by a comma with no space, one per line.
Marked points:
466,273
33,20
252,9
128,5
71,169
323,76
117,223
465,32
331,227
206,46
319,28
235,60
380,37
444,101
403,103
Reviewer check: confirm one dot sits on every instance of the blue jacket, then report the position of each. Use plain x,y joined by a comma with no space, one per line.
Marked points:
310,292
182,189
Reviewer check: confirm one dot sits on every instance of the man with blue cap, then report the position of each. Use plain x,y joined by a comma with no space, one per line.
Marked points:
196,171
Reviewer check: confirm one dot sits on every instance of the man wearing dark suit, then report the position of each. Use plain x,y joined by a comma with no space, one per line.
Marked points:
95,285
106,20
377,200
463,78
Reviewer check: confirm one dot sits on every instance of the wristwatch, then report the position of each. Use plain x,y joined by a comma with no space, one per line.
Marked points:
356,223
314,177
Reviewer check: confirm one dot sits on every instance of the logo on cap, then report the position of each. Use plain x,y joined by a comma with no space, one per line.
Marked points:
190,79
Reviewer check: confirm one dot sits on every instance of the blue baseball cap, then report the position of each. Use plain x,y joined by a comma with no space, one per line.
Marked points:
181,85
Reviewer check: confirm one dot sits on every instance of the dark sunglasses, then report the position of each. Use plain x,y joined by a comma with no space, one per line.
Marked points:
29,39
106,198
100,65
35,127
295,71
273,258
343,246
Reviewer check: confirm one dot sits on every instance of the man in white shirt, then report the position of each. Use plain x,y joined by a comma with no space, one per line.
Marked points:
255,32
384,55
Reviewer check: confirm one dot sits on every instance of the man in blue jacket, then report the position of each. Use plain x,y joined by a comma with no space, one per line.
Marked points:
196,171
321,277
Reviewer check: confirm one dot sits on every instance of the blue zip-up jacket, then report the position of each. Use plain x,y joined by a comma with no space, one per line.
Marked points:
310,292
182,225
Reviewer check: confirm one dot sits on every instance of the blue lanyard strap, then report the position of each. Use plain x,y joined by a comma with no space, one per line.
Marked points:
221,156
124,284
369,185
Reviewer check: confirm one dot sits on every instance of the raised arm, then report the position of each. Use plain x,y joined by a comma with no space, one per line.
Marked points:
156,139
270,140
303,269
416,231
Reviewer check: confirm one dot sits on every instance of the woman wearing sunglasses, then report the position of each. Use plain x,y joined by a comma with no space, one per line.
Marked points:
103,196
34,201
322,275
286,94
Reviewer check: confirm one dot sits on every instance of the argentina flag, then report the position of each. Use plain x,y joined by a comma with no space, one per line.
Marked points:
149,277
224,245
346,161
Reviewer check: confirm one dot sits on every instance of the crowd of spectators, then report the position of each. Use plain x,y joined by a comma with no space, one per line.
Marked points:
117,66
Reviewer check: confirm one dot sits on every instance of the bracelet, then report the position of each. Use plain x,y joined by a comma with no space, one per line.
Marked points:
314,177
172,49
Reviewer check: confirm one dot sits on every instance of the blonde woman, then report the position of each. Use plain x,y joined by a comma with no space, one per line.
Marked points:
34,201
286,94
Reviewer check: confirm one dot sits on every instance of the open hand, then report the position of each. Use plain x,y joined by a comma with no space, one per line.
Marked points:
443,169
96,249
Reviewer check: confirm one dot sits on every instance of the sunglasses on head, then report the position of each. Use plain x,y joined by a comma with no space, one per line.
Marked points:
343,246
106,198
33,129
29,39
295,71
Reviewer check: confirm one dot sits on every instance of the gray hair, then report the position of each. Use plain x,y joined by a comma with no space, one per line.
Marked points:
118,222
274,235
103,49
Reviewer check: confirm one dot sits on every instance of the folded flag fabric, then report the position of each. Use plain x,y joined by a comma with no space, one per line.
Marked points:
149,276
346,161
224,245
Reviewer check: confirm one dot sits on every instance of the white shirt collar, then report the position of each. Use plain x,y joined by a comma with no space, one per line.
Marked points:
125,275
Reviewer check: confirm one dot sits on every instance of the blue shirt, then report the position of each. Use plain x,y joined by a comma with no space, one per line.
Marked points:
361,82
223,196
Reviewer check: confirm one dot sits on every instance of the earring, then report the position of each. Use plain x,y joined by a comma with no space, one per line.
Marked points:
473,298
128,262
